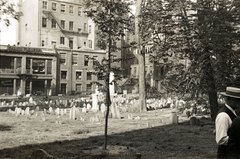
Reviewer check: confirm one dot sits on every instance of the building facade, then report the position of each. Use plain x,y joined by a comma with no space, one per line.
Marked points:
54,22
39,71
76,67
28,70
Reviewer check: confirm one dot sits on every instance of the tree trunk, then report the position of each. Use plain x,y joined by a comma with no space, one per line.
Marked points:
108,98
212,94
141,60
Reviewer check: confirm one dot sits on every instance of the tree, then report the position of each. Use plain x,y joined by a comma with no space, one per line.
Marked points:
203,32
212,40
140,54
111,18
8,11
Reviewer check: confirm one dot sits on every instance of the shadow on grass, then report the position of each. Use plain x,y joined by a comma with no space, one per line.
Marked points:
5,127
168,141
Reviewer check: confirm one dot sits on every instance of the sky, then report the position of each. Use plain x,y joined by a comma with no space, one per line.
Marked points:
8,35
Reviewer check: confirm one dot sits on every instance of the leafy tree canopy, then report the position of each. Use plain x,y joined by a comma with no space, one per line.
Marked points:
8,11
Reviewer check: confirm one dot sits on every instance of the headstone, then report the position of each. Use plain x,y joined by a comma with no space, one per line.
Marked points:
57,111
149,125
194,121
62,112
27,112
173,118
72,114
22,112
111,83
84,110
95,102
12,103
89,106
37,108
130,116
30,100
43,116
65,111
113,110
118,116
50,110
103,108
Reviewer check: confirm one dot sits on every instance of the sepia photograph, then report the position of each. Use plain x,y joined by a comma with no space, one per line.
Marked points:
119,79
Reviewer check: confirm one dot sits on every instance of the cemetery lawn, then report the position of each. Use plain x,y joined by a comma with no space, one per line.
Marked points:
151,135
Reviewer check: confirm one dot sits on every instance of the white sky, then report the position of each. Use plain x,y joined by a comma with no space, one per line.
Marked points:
8,35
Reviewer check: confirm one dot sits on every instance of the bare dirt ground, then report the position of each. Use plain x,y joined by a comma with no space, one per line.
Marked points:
151,136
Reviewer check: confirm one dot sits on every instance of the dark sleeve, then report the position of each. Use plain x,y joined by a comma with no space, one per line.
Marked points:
233,141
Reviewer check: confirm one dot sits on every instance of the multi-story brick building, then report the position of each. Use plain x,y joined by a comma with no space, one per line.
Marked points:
54,22
27,69
35,70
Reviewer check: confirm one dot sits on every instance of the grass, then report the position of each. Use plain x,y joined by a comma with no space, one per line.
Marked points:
64,138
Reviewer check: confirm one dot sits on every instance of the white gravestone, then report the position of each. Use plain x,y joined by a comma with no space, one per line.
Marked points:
84,110
27,112
95,102
57,111
89,106
111,83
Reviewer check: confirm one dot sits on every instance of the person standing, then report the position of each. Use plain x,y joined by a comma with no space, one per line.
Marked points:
224,119
233,146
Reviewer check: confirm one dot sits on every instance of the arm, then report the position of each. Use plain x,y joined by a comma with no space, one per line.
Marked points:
222,125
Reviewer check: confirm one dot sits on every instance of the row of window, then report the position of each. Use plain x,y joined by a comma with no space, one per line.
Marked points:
63,25
78,75
54,7
79,88
70,40
86,59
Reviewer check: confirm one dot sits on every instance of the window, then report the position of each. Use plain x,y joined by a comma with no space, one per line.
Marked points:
71,25
89,76
79,11
54,24
74,59
90,43
44,3
42,42
63,24
54,6
63,8
95,58
49,67
71,9
38,66
78,87
62,40
89,87
85,27
63,59
151,69
53,43
89,29
135,70
79,75
18,65
63,74
86,60
71,43
44,22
